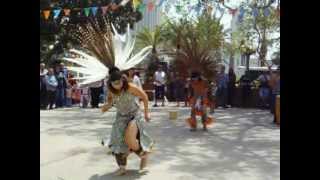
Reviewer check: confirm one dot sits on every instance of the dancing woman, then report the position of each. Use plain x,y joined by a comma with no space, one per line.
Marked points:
111,55
128,133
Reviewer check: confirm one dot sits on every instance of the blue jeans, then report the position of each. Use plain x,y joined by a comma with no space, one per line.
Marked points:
60,100
68,102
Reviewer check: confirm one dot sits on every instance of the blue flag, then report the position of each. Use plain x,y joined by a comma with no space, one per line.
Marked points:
56,13
94,10
266,12
160,3
255,12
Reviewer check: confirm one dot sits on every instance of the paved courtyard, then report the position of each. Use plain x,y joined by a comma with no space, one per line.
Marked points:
243,144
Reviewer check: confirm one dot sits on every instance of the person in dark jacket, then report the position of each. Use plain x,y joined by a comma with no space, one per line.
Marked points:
245,84
231,86
61,88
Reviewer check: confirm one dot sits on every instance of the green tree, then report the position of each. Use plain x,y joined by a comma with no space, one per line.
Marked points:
153,38
261,29
196,44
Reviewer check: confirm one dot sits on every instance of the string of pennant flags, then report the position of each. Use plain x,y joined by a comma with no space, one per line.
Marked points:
137,5
150,6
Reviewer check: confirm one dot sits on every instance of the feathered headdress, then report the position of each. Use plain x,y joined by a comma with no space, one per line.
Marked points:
108,49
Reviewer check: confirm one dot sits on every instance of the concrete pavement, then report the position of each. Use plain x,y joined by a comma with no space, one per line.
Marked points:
242,145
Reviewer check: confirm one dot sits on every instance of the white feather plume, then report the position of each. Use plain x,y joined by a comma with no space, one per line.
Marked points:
93,70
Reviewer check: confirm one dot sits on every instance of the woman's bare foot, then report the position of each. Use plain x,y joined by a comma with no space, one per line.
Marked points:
143,162
120,172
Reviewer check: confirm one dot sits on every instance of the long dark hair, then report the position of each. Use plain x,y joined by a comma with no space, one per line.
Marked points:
114,75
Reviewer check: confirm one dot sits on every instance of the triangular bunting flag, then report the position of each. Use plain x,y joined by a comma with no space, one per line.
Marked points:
178,8
142,8
94,10
66,12
46,14
150,6
56,13
86,11
104,9
136,3
255,12
160,3
266,12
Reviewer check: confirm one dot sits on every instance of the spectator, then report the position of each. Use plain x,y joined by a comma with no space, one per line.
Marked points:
64,70
264,90
133,77
43,87
186,91
95,90
212,96
275,87
85,96
245,85
69,95
62,86
172,86
179,90
231,87
159,82
222,91
52,84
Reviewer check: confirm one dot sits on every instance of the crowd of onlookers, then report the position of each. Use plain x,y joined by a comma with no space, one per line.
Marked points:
59,89
221,91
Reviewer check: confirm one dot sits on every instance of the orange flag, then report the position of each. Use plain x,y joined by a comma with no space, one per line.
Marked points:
46,14
66,12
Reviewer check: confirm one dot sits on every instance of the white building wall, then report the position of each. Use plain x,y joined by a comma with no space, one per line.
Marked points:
149,19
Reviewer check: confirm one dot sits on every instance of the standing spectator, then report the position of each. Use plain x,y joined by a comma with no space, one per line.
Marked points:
52,84
43,87
264,90
245,85
172,86
95,90
179,90
231,86
69,95
64,70
186,92
275,87
159,82
222,87
212,96
62,86
133,77
85,96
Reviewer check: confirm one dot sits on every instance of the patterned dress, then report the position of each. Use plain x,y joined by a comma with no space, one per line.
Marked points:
127,110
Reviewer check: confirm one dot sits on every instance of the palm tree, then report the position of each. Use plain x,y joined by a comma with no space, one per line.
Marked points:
148,37
198,45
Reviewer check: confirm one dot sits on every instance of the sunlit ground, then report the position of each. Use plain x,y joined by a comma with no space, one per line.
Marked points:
243,144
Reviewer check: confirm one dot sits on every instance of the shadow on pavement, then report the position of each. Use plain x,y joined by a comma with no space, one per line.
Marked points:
131,175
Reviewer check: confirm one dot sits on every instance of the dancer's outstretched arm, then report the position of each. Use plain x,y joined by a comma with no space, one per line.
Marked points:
107,106
133,89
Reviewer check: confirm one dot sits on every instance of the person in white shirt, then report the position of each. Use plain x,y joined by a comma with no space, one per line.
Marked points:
159,82
43,86
132,76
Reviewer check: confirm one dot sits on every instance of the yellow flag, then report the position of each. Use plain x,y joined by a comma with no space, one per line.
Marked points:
136,3
46,14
